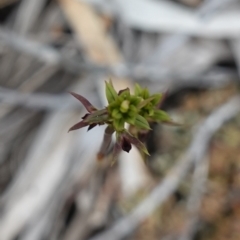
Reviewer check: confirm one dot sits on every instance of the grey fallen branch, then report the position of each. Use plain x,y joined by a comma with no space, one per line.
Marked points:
37,50
44,101
235,46
49,168
53,57
209,8
37,101
195,198
28,12
176,19
194,154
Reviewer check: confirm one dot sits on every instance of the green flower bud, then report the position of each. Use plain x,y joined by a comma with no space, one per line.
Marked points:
124,106
130,120
133,109
136,109
132,114
151,112
116,114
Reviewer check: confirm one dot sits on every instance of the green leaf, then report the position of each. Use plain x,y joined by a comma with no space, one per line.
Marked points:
84,101
151,112
145,93
156,98
135,100
141,122
132,114
130,120
111,93
119,100
118,124
112,106
145,102
161,116
137,90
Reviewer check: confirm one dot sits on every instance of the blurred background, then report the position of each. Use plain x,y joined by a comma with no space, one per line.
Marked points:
51,185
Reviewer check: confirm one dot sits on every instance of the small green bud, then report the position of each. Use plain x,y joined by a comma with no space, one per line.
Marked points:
151,112
124,106
132,114
130,120
133,108
116,114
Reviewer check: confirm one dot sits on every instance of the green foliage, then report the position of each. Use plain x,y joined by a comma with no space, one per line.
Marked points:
111,93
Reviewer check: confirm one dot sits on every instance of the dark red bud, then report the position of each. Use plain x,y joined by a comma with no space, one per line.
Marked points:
126,146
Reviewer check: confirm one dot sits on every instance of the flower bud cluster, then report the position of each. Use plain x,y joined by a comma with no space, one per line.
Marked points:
137,109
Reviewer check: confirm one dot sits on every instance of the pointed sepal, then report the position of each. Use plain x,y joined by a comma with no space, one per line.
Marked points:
137,90
111,93
141,122
78,125
90,108
161,116
136,142
99,117
145,102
